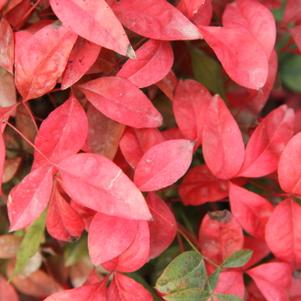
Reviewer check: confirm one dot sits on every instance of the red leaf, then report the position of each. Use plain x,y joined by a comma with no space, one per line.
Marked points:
272,279
95,21
249,66
199,186
62,133
135,142
109,236
255,100
255,18
63,222
28,200
267,143
156,20
163,227
2,157
91,292
250,209
259,248
137,253
41,58
124,288
153,61
198,11
220,236
103,133
231,282
82,57
6,46
7,291
223,147
190,105
122,101
163,164
97,183
283,235
289,168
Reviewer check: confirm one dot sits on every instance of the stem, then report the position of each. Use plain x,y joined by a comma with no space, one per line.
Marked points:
30,143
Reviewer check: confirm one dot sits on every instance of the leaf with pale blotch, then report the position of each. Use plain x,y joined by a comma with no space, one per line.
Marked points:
185,272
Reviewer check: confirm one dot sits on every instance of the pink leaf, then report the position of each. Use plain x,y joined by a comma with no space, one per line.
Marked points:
7,291
258,247
28,200
223,147
190,105
62,133
198,11
163,164
95,21
250,209
156,20
163,227
289,168
283,232
122,101
153,61
220,236
6,46
124,288
255,18
41,58
91,292
231,282
267,143
109,236
63,222
247,66
199,186
97,183
82,57
137,254
272,279
135,142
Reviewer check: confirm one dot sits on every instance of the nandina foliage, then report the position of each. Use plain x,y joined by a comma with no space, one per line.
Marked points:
150,150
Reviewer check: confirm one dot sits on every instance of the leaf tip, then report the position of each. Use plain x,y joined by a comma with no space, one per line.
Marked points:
130,52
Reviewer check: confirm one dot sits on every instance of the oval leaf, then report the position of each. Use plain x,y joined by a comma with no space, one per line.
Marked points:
97,183
122,101
156,20
223,147
62,133
28,200
153,61
95,21
109,236
163,164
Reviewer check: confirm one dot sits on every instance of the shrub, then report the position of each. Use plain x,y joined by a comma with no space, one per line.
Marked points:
150,150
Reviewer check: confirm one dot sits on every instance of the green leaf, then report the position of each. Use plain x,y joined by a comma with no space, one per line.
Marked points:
223,297
192,294
238,259
208,72
184,272
30,244
290,72
213,279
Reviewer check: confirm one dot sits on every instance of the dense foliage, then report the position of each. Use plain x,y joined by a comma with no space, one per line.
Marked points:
150,150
